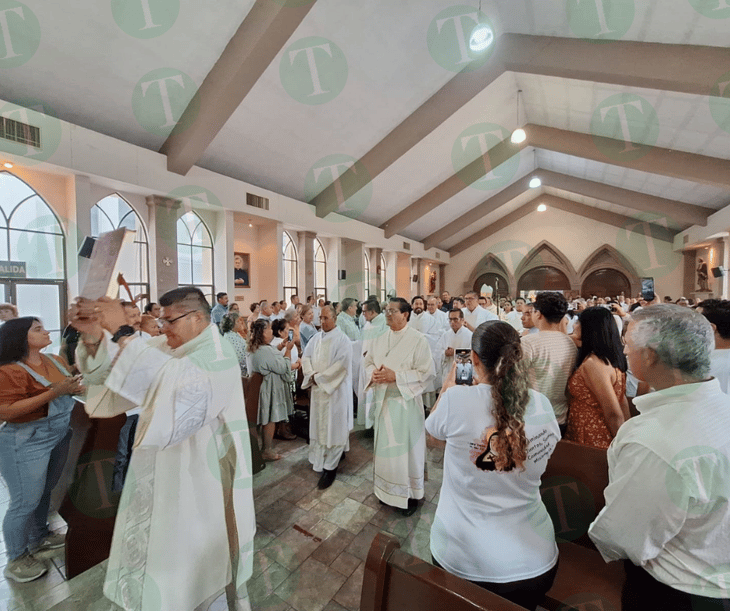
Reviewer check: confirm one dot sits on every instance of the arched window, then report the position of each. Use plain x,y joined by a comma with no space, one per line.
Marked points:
383,289
291,266
366,268
31,234
195,254
114,212
320,270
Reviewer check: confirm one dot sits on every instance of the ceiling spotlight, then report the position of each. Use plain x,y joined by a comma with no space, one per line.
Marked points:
535,183
482,37
250,224
541,208
8,165
518,136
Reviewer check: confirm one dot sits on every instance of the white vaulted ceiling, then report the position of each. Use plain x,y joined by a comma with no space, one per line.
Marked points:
86,69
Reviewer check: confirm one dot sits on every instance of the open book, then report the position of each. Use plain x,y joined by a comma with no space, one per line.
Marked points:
104,264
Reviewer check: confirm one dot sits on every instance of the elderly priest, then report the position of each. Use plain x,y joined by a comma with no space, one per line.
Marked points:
400,369
185,526
327,368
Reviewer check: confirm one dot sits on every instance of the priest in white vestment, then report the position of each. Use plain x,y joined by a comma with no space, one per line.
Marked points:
426,323
327,370
458,337
185,525
442,318
374,327
474,314
400,367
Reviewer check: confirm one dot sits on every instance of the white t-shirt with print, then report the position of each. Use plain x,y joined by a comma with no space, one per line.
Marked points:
490,525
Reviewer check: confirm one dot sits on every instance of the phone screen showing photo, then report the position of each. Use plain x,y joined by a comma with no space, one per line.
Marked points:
291,335
464,367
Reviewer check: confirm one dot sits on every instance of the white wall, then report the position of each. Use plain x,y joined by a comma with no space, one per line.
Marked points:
577,238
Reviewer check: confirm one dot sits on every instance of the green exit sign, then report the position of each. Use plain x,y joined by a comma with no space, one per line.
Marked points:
12,269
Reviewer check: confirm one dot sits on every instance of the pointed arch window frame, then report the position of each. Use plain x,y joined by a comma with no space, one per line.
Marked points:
383,279
292,263
320,288
60,281
366,269
143,244
208,288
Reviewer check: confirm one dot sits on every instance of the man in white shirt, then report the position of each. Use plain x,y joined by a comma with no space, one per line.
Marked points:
317,309
667,512
265,311
474,315
294,302
528,326
550,354
276,310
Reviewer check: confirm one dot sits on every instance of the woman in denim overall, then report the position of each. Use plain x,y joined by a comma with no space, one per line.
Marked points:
32,454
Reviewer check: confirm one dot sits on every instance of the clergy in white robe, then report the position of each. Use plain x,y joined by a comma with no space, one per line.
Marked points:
457,337
374,327
426,323
474,314
326,368
185,525
400,367
442,318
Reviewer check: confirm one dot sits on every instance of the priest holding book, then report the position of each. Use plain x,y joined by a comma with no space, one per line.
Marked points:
185,526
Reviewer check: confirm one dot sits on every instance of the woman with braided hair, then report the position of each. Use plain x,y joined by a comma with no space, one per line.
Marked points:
491,526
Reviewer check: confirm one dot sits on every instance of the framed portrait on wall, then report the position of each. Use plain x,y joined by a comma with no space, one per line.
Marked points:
242,270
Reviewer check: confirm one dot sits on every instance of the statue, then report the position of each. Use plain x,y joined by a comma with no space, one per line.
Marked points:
702,276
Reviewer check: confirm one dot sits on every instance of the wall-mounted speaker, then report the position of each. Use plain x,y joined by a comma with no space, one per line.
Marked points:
87,247
342,275
415,277
718,272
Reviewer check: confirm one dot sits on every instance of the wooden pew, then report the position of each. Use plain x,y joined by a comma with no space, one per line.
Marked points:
397,581
572,490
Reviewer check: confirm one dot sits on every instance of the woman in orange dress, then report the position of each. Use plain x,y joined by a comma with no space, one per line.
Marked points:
598,404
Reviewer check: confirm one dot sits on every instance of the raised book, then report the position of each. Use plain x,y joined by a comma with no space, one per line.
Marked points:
105,262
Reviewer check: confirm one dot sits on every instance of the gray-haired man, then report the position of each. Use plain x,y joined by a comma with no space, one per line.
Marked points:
667,512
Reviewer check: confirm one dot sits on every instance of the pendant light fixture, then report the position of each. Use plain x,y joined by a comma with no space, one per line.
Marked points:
519,135
482,36
535,181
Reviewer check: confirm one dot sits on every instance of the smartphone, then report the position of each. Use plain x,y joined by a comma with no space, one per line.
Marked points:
464,367
647,289
291,335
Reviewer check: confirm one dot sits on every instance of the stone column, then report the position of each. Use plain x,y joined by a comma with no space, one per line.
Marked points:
416,271
164,214
351,262
725,262
689,279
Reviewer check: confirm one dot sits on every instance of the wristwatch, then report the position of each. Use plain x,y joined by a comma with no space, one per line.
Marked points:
121,332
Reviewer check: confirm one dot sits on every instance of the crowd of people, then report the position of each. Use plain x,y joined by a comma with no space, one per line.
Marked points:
646,381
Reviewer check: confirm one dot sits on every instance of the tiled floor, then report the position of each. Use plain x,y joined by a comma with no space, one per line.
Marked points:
310,544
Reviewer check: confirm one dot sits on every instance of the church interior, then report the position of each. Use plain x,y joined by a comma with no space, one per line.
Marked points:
347,149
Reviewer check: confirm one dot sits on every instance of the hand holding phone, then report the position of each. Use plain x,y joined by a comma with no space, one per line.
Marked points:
464,367
291,335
